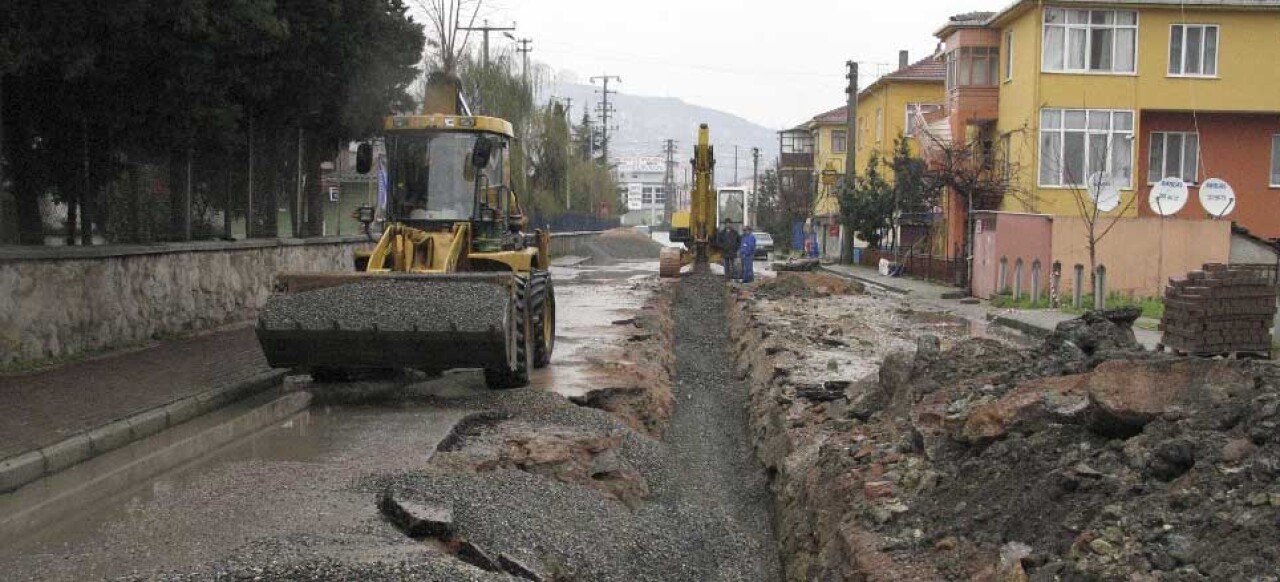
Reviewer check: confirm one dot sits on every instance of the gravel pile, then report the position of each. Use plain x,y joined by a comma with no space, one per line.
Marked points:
623,244
709,514
392,305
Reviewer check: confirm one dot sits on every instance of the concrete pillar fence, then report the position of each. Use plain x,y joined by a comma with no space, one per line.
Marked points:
1017,279
1100,288
1035,282
1077,299
1002,277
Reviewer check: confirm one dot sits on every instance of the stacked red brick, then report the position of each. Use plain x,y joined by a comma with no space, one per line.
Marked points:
1219,310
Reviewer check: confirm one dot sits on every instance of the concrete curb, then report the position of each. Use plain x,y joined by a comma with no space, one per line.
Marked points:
866,280
23,468
1030,329
59,503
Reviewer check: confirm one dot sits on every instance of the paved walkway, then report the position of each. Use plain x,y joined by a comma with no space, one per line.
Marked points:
41,408
927,293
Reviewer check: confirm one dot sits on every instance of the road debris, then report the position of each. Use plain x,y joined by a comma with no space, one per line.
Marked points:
956,458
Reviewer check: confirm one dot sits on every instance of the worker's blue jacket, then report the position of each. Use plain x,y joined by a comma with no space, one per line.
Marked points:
747,249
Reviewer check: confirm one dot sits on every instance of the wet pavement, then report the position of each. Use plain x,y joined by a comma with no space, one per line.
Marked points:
589,299
292,480
291,487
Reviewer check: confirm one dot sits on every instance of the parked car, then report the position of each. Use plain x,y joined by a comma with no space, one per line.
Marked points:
764,245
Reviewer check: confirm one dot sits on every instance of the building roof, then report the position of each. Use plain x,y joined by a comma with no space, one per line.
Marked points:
927,70
1019,5
837,115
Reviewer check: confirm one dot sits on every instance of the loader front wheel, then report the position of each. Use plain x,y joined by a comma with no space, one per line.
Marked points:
542,299
503,377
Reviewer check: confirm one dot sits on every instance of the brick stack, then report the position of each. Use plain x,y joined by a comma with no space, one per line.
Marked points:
1219,310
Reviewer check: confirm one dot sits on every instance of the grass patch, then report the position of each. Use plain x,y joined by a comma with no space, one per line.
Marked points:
1152,307
1007,302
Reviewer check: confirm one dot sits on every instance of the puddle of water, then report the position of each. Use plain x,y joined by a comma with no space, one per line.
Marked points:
585,310
292,478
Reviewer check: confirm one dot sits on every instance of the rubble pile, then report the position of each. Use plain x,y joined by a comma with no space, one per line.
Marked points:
623,244
808,285
1219,310
1083,458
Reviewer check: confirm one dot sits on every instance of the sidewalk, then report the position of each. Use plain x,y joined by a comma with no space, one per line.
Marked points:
43,409
1029,321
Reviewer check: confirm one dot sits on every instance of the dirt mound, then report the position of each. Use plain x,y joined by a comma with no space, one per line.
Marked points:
623,244
806,285
1084,458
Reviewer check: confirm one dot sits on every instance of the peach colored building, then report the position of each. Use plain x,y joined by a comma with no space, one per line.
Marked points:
1140,254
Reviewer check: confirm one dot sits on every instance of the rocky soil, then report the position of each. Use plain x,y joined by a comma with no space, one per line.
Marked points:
953,458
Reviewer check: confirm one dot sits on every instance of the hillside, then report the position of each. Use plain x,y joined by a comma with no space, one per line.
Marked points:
644,123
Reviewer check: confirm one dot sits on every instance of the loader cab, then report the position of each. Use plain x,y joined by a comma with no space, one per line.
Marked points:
445,169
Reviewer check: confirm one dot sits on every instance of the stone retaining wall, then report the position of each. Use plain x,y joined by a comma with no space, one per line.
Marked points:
63,301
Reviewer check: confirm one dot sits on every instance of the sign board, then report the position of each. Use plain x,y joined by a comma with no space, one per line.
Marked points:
1104,192
334,194
635,196
1217,197
1169,196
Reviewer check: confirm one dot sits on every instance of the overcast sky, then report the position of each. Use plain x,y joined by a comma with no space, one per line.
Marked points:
777,66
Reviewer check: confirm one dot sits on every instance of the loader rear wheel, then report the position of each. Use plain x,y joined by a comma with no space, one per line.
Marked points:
542,299
505,378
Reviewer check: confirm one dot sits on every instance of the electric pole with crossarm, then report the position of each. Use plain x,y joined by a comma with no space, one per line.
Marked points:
605,110
486,29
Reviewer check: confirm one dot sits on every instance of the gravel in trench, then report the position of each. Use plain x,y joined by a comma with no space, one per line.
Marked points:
710,513
710,440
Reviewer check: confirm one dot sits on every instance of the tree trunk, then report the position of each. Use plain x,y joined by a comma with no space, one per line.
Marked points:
88,195
314,154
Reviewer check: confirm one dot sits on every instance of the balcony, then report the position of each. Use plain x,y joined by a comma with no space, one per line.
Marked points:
973,77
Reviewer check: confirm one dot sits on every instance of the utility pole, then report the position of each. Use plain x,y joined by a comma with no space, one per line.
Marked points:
850,154
486,29
668,180
524,51
605,111
735,165
755,182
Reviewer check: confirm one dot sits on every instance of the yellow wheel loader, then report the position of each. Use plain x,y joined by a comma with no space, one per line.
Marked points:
453,282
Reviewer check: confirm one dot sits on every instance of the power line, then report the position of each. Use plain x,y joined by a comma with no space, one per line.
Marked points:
486,29
604,109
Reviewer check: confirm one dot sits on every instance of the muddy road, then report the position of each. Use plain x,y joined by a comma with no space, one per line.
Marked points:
603,469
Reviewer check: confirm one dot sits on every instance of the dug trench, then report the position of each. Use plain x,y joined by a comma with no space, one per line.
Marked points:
921,455
647,479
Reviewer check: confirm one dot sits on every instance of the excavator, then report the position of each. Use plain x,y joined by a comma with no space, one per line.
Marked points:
454,281
695,228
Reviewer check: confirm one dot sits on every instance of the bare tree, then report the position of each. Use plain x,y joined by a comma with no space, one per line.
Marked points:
981,172
1098,223
443,35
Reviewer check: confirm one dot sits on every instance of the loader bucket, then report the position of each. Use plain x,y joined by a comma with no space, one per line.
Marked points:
430,322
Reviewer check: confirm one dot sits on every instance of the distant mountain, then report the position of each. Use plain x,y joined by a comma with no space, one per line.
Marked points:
645,123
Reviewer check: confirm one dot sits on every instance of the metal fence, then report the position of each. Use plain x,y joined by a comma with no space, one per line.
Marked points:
945,270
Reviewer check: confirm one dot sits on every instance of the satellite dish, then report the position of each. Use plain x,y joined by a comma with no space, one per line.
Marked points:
1104,192
1169,196
1217,197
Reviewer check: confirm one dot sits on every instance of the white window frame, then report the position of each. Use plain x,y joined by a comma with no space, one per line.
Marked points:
917,108
1163,136
1204,46
1062,133
1008,55
879,124
1087,28
1275,161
